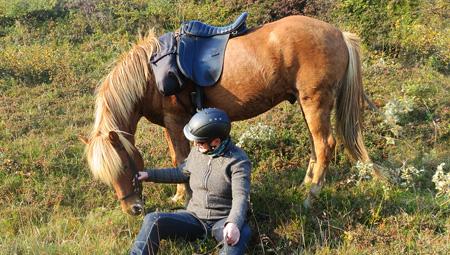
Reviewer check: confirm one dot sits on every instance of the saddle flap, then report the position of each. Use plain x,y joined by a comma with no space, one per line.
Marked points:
201,59
167,45
168,78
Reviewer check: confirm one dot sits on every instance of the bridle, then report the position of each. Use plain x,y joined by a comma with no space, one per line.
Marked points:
136,183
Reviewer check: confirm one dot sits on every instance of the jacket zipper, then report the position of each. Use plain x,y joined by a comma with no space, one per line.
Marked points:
205,182
207,174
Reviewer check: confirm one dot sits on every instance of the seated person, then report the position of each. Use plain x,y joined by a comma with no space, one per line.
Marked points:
218,173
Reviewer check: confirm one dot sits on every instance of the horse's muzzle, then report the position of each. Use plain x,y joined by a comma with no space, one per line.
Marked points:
137,209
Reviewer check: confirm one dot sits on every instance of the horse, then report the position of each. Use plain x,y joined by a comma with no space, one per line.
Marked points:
297,58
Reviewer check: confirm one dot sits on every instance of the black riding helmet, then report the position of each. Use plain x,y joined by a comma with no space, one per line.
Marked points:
208,124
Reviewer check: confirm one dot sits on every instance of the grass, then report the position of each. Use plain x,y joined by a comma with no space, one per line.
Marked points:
49,204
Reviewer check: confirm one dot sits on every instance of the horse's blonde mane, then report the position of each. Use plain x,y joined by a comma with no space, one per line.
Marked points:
116,97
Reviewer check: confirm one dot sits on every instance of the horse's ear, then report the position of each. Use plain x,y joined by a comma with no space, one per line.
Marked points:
83,139
114,138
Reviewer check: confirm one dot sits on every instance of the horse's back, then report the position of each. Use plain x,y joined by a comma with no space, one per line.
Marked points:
261,68
287,44
301,38
292,30
319,48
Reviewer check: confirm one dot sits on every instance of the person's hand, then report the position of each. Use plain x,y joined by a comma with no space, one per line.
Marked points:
231,234
142,176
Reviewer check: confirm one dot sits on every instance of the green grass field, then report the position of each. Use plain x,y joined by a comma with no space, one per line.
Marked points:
54,53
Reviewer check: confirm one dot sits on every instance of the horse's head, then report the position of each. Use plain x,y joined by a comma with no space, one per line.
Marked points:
116,161
110,151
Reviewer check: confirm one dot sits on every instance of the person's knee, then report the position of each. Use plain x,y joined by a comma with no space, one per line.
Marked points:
152,218
138,248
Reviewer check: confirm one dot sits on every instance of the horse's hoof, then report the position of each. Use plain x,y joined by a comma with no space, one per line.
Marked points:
309,201
307,204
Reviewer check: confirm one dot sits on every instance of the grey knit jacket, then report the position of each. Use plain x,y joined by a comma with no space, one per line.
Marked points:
220,185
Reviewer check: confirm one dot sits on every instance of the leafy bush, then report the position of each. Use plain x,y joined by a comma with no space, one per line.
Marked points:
417,31
18,8
34,64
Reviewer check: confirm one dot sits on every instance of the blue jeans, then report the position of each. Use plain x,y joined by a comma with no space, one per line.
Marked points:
158,225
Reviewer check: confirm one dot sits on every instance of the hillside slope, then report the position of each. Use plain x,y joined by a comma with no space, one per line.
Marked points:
54,53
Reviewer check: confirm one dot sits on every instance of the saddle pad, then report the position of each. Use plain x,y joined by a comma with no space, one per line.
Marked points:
201,59
168,78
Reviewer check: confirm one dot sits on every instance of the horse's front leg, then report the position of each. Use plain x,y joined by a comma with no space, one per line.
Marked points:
179,149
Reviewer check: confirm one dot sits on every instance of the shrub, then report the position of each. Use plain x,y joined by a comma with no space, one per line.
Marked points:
18,8
255,135
417,31
34,64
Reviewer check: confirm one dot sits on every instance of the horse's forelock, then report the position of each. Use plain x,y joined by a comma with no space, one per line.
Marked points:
104,161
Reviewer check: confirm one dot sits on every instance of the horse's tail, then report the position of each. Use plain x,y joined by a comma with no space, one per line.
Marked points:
350,103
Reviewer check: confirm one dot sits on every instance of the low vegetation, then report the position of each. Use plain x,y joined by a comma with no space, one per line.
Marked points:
53,54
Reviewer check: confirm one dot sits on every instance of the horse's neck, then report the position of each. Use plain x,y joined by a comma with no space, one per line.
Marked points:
157,108
130,128
107,122
151,106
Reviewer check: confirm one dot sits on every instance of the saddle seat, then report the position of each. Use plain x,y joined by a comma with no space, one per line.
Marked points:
201,49
200,29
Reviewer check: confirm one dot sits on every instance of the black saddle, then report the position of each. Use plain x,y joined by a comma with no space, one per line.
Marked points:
196,53
201,49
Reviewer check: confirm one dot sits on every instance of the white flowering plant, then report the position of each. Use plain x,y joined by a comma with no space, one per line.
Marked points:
255,135
406,176
364,171
392,112
441,181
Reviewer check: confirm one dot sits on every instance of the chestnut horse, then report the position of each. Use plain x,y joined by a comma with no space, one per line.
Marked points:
297,58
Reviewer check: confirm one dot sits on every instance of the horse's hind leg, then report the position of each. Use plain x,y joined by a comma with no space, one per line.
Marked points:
316,103
312,159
